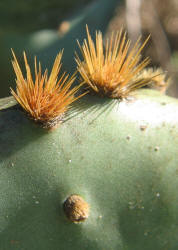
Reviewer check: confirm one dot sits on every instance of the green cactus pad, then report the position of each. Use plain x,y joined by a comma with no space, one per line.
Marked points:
120,157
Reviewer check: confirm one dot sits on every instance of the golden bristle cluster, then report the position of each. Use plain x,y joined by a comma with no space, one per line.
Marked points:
45,98
160,80
110,71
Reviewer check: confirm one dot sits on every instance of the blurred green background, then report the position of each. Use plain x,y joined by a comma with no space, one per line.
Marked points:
43,28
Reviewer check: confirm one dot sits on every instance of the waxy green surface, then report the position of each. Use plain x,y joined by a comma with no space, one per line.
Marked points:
122,158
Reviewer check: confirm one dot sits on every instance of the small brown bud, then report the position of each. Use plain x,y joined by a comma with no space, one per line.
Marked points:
76,209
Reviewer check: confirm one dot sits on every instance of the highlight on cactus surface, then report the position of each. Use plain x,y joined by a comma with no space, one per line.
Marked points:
111,71
45,98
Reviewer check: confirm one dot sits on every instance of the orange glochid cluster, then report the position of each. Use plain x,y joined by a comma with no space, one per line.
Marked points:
111,70
45,98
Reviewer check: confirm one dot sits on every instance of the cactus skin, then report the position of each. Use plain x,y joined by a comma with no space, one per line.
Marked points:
120,157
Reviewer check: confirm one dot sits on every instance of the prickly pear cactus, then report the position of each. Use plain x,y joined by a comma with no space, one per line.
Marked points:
118,158
107,177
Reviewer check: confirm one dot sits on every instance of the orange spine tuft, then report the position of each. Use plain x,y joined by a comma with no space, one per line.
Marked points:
45,98
111,71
